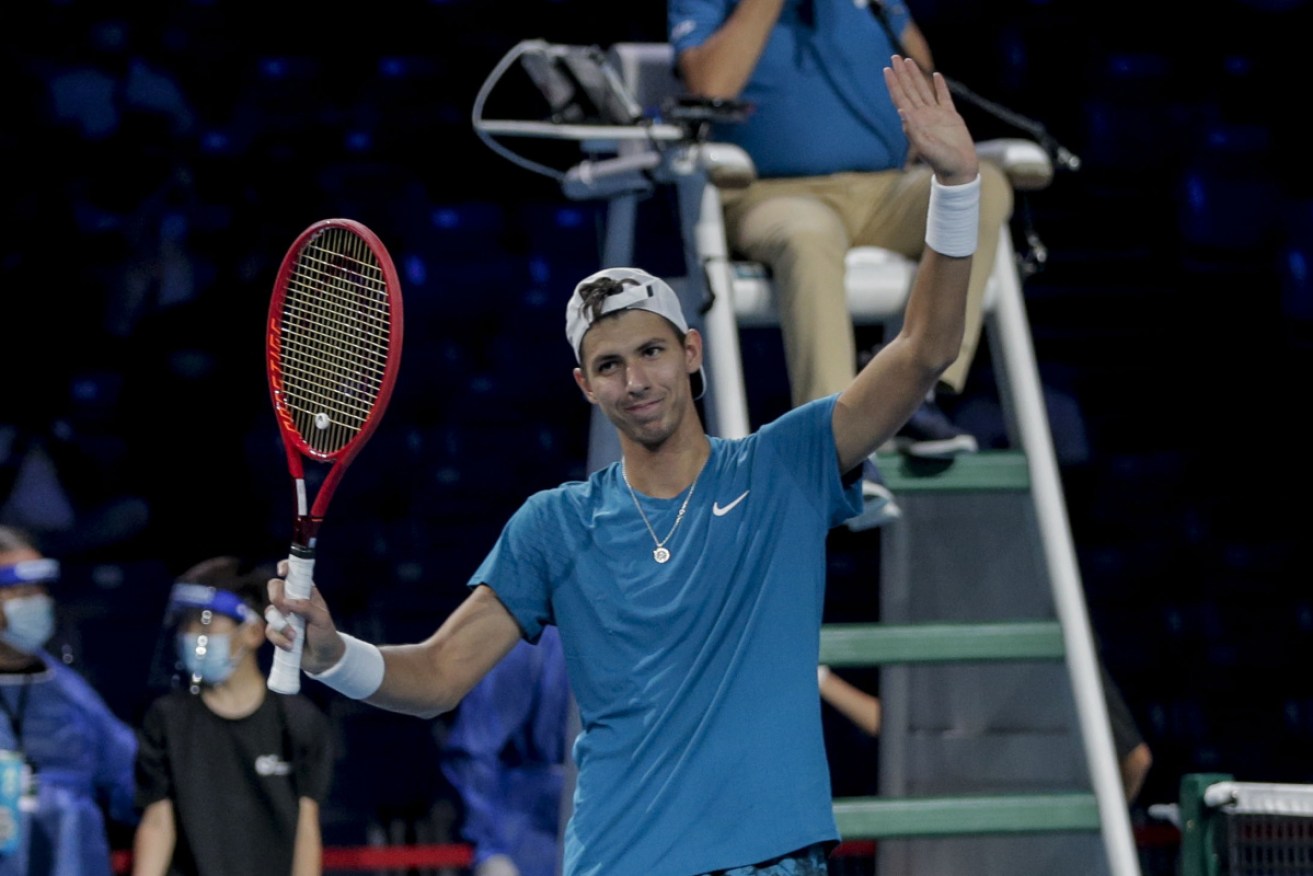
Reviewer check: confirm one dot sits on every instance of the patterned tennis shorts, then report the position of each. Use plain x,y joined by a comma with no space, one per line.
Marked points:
810,861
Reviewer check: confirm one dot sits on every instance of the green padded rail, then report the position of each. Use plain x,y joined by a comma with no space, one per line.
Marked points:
892,817
1203,828
879,644
983,471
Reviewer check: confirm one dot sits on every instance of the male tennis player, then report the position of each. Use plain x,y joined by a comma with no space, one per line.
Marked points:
687,579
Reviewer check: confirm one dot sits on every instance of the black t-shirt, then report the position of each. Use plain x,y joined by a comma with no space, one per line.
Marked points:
235,784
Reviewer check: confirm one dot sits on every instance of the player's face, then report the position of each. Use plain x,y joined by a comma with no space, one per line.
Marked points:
636,369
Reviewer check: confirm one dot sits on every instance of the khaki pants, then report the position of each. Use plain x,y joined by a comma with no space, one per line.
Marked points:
802,227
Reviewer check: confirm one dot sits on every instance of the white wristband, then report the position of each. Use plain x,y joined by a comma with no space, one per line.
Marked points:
822,673
952,226
358,674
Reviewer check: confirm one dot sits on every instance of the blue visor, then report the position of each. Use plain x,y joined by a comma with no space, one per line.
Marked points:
199,597
29,572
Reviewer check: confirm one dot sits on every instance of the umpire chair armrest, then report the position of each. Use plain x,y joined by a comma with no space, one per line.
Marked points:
726,165
1027,166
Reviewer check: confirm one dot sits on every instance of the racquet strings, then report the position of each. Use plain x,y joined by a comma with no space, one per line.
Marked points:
334,339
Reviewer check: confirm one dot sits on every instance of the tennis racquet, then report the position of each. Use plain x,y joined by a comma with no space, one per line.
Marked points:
331,354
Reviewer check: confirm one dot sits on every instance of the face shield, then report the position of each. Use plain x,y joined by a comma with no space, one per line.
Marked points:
29,613
41,571
196,647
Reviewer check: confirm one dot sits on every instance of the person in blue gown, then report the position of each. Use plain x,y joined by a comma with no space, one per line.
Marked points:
67,758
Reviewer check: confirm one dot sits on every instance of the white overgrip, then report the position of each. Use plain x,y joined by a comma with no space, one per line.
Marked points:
285,674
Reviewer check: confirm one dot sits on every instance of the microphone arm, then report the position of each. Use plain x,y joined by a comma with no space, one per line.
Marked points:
1060,155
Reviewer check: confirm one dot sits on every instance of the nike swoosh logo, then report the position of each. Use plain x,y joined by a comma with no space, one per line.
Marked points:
721,512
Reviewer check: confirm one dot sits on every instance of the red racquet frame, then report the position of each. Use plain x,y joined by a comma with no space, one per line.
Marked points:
335,279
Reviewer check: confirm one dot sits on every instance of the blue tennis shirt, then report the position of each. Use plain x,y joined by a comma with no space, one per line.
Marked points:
695,679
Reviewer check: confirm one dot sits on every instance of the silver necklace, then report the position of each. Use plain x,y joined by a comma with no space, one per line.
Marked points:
661,554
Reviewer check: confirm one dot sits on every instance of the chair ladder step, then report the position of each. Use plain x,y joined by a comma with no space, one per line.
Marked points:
987,470
907,817
882,644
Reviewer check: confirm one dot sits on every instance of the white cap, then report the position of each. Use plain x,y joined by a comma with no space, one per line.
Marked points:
643,292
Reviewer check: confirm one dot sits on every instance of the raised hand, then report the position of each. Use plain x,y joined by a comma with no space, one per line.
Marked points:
934,129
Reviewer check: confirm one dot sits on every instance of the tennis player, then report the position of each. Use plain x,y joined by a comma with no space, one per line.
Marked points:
687,579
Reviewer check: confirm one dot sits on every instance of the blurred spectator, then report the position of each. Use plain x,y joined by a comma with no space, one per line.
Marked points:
72,754
505,753
230,774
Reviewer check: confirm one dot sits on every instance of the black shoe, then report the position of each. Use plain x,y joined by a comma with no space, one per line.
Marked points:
931,435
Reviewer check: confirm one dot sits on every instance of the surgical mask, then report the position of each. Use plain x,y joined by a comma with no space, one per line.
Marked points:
29,622
212,662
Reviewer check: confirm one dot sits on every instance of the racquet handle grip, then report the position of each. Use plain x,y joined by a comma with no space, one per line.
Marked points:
285,674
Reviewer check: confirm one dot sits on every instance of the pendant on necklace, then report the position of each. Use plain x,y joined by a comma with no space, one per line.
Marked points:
661,555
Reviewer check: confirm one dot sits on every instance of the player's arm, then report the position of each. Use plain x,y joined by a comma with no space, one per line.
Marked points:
855,704
895,382
308,853
424,679
721,66
153,842
431,677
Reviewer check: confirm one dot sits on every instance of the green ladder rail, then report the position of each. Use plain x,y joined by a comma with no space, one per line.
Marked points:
913,817
986,471
879,644
958,815
886,643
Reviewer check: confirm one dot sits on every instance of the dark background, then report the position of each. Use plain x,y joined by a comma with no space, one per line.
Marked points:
159,158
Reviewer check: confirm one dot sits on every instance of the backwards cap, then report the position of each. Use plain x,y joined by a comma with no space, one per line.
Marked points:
642,292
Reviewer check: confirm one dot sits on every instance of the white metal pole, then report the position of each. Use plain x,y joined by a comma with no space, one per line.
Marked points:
1031,417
